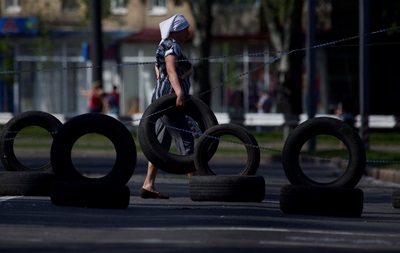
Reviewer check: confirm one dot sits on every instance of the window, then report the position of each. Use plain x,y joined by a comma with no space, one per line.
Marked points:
69,5
157,7
118,7
12,6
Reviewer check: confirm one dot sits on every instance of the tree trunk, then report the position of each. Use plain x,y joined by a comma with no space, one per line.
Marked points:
286,35
201,10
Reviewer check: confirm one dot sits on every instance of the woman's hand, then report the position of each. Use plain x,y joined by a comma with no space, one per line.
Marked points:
180,100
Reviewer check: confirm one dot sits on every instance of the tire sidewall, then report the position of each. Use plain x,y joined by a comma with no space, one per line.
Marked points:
26,119
324,201
209,138
105,125
324,126
227,188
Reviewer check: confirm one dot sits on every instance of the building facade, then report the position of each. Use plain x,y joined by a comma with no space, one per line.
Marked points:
52,60
50,44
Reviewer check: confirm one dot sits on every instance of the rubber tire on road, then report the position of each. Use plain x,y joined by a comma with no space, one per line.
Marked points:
201,155
14,126
102,124
229,188
25,183
322,201
324,126
396,199
151,147
90,195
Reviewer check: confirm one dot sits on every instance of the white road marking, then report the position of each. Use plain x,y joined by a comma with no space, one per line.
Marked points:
6,198
255,229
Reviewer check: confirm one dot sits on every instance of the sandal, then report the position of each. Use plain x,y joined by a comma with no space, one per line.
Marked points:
146,194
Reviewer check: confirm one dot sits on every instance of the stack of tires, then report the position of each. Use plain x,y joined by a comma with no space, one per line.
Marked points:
245,186
307,196
70,187
205,185
59,179
18,179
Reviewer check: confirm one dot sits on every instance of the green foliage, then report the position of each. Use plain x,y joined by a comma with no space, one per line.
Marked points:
7,60
43,43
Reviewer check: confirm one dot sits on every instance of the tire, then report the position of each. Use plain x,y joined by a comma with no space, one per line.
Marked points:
26,119
102,124
396,199
90,195
322,201
201,156
151,147
230,188
328,126
25,183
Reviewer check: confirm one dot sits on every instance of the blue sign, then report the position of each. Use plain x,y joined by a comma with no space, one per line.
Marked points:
85,51
19,26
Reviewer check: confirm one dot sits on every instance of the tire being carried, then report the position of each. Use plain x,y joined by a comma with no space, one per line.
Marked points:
212,135
151,147
26,119
324,126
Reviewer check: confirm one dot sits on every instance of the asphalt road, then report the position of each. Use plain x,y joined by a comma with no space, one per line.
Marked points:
34,224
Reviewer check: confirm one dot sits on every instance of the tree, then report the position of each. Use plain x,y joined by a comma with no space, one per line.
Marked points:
6,80
283,21
201,11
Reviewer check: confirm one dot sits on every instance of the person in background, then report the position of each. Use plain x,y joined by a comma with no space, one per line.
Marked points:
344,111
263,105
95,97
112,99
172,70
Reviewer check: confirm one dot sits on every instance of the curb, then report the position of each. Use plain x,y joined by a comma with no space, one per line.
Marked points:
387,175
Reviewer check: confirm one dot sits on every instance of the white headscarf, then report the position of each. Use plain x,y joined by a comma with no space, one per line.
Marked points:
174,24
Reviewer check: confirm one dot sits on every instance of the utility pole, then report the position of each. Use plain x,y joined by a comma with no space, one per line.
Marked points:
364,13
97,45
310,53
